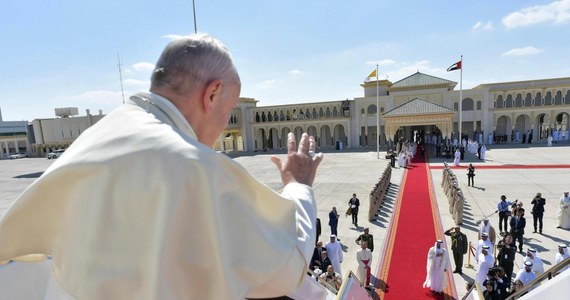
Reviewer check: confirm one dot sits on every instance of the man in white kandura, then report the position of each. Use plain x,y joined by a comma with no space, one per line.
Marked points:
564,211
437,260
364,259
561,255
334,251
537,264
484,241
485,226
525,274
484,263
141,207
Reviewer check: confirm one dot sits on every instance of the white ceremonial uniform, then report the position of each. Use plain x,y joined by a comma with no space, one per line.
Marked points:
524,276
537,264
485,262
361,256
118,225
436,266
564,212
483,150
480,245
334,251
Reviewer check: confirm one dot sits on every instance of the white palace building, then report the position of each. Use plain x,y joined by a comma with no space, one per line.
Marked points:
507,111
495,112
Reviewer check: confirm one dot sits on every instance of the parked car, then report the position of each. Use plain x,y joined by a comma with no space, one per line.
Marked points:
18,155
55,154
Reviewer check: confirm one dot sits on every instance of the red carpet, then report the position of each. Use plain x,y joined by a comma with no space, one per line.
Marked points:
414,228
508,166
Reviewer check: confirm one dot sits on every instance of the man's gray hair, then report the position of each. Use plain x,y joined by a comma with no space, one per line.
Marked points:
191,62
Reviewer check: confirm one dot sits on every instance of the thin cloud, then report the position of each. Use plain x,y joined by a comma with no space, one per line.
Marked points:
173,36
143,67
135,83
296,72
522,51
483,26
557,12
423,66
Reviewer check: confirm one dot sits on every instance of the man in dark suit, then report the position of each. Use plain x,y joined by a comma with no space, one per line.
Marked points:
333,220
459,247
318,229
354,203
317,259
326,260
538,211
518,223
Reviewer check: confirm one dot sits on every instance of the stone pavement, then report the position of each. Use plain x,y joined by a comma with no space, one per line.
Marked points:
343,173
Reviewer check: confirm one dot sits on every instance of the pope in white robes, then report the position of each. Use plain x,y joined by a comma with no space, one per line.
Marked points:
564,211
141,207
334,251
437,261
483,151
457,157
364,259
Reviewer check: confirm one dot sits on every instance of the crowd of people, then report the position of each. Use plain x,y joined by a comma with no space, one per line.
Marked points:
326,260
495,251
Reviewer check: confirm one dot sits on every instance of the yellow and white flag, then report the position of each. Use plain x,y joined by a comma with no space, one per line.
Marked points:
372,75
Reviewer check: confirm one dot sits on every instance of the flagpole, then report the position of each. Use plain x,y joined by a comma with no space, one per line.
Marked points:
460,99
377,116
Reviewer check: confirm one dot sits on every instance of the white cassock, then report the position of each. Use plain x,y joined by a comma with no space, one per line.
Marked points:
524,276
457,157
560,257
555,135
483,150
564,212
334,251
537,264
549,141
361,256
138,208
436,266
484,263
401,160
480,245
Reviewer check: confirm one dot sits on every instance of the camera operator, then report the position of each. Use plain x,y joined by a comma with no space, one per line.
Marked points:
538,211
506,255
490,285
331,277
504,212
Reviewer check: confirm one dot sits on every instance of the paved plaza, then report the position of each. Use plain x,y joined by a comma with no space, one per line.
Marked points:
343,173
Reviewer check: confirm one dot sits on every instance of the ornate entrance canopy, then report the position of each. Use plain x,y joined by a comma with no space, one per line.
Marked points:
417,112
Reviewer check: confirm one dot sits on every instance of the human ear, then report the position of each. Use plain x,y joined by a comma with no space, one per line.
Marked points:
212,94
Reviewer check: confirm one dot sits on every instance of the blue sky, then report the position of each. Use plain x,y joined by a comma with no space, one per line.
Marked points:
63,53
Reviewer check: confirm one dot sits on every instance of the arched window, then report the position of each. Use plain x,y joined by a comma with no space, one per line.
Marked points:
528,100
499,102
263,119
456,106
478,105
558,98
321,112
467,104
518,101
567,97
363,111
538,99
371,109
548,98
257,117
509,101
